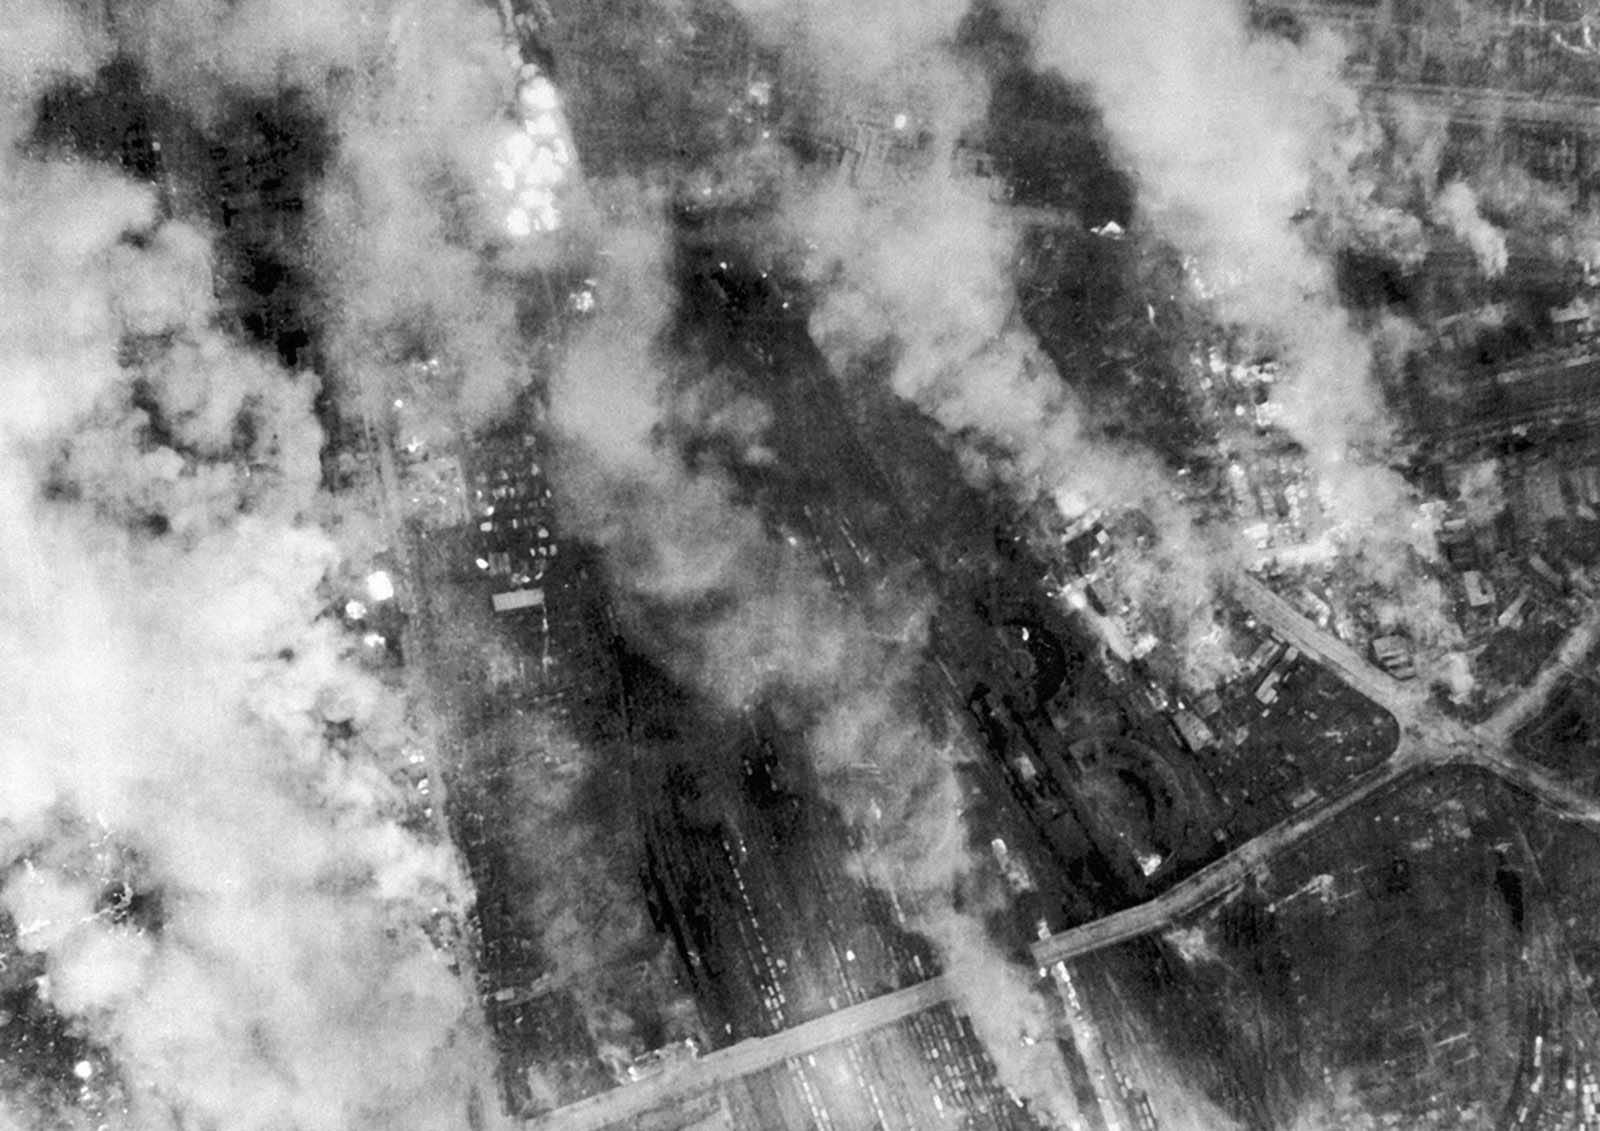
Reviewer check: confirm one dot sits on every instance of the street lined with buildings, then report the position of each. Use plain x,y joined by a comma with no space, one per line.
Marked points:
1428,738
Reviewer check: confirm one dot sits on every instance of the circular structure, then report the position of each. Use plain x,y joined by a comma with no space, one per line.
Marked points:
1135,800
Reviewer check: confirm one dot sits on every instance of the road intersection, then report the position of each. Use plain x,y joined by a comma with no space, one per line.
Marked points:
1428,739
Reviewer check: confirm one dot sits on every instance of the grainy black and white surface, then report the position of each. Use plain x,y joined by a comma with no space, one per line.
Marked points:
815,564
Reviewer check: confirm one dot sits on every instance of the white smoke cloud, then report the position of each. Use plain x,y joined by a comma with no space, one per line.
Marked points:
1228,138
917,266
754,614
1455,673
61,221
916,845
921,272
292,975
40,41
202,52
1456,207
1480,490
852,42
927,274
405,216
168,696
414,95
749,618
1010,1013
1341,1106
1539,209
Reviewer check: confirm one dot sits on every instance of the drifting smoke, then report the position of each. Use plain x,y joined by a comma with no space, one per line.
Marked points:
924,278
1539,210
401,218
917,848
918,268
39,42
1456,207
608,401
674,535
1343,1109
180,718
852,42
1229,137
414,95
928,276
1223,134
1009,1012
1480,492
745,617
1536,212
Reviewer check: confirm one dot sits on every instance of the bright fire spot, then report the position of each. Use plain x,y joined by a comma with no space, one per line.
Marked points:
534,159
538,94
355,610
380,586
83,1070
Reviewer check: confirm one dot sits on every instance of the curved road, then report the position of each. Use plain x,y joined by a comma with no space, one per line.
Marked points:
1428,738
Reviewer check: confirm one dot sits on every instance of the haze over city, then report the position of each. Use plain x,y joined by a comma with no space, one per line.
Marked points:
735,564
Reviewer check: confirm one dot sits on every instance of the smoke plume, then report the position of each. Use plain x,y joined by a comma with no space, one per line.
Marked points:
1456,207
1224,134
185,727
1230,137
746,617
927,273
915,264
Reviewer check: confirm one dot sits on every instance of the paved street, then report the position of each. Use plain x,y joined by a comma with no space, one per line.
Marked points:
1217,879
1344,661
1428,739
724,1065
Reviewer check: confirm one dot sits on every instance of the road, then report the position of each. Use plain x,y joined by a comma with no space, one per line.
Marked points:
1216,879
1483,105
1348,664
1522,707
743,1059
1533,102
377,422
1428,738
